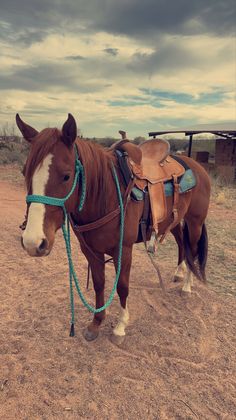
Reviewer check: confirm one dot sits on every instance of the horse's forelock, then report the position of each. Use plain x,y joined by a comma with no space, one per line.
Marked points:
44,143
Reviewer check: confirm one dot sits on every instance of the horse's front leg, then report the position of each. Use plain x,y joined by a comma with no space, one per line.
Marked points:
123,291
98,274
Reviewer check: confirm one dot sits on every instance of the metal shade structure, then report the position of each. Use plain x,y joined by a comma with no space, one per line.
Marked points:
225,130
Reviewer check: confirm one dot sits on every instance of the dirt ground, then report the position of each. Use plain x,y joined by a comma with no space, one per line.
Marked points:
178,358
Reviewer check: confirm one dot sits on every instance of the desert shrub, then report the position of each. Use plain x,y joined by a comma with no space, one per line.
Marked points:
178,144
13,152
139,140
106,142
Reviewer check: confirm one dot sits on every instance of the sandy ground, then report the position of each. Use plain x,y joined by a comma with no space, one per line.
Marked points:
178,358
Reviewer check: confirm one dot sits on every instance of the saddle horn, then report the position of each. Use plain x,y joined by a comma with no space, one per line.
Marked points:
123,134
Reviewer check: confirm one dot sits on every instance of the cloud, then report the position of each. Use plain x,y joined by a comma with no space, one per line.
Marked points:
141,19
75,57
145,65
111,51
144,20
49,76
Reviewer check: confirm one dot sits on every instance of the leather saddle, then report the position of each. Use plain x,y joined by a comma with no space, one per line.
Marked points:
152,165
156,164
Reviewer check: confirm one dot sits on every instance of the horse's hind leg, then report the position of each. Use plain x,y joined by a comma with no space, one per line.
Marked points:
181,269
196,246
123,291
98,275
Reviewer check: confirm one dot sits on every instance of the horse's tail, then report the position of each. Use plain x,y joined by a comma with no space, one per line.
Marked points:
198,269
202,248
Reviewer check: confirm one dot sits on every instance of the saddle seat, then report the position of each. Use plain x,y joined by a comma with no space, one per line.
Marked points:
156,164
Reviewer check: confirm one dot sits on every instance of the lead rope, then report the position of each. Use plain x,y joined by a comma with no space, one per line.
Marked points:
60,202
72,273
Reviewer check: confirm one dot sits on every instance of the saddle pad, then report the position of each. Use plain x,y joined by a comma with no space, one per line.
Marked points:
187,182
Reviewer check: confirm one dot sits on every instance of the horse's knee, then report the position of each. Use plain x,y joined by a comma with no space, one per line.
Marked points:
123,292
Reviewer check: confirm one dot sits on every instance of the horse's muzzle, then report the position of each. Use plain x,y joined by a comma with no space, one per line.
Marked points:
37,251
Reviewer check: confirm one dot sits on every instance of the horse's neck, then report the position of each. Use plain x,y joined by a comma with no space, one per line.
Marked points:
101,195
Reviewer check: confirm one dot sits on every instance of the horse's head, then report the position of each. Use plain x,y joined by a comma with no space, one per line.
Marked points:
49,171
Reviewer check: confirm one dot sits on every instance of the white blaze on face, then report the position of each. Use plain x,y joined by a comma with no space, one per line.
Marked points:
34,234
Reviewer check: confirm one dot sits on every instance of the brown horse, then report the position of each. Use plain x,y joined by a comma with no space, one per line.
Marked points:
50,170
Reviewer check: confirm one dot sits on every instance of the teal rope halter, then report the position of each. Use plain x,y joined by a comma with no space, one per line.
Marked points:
60,202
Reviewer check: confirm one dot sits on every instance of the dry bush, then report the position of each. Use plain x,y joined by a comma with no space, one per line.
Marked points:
13,152
220,198
223,192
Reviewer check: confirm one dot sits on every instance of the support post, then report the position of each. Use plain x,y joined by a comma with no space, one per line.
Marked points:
190,145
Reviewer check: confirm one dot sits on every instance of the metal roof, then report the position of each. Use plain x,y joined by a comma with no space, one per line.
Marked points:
227,130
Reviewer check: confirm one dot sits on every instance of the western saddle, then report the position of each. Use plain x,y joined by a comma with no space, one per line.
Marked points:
151,166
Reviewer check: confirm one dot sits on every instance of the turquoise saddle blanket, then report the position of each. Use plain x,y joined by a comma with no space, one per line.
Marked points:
187,182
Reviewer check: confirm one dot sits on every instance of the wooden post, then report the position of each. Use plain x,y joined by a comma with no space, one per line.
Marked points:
190,145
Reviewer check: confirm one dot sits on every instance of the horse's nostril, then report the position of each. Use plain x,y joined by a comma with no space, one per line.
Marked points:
43,245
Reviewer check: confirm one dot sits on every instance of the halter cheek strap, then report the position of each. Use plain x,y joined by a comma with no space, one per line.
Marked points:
60,202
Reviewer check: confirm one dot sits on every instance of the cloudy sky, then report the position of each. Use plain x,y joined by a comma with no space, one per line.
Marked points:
137,65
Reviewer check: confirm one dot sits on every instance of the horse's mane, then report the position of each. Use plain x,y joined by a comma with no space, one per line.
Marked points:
41,146
97,164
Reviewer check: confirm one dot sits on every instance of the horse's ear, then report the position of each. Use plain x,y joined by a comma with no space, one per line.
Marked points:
69,131
28,132
134,152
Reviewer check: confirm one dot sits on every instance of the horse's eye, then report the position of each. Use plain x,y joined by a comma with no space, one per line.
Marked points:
66,178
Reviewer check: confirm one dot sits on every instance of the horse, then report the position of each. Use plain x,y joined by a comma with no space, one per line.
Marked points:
50,170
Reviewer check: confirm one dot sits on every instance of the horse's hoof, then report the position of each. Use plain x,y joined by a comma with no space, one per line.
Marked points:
117,339
90,335
177,279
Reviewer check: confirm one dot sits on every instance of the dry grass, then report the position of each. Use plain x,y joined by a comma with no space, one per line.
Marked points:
220,198
223,193
13,151
11,173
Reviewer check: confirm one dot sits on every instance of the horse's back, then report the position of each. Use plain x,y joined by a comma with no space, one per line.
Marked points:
200,194
198,170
